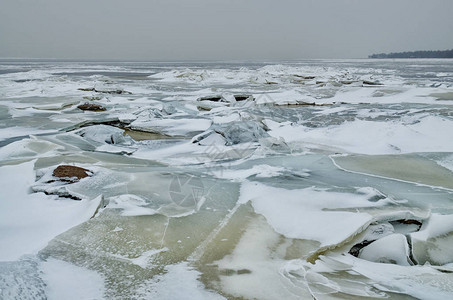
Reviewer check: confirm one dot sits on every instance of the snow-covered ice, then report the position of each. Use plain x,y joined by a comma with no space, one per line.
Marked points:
313,179
28,221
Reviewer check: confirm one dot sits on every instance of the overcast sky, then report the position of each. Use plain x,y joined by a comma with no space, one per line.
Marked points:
221,30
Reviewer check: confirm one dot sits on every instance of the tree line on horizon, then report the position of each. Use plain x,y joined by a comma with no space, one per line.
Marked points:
415,54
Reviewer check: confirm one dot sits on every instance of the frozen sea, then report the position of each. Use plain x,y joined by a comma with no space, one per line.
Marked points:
324,179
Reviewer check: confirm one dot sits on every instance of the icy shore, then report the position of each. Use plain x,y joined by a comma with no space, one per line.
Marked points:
324,179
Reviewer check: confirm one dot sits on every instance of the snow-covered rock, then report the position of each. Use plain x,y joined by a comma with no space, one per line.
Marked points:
104,134
233,133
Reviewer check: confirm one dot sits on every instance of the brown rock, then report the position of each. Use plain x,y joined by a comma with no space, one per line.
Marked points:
70,173
91,107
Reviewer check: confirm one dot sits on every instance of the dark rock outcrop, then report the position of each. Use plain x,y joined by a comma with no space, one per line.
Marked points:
212,98
116,92
367,82
243,97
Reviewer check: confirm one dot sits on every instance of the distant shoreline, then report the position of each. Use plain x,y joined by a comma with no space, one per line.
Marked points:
415,54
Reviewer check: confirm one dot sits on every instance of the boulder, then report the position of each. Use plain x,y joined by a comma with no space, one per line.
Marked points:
71,173
91,107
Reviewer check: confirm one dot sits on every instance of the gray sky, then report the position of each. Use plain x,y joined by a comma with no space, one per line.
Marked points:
221,30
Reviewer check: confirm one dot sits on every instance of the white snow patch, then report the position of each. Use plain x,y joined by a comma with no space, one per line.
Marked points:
67,281
179,282
429,134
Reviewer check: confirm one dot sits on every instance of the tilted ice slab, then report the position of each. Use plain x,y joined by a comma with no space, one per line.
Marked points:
29,148
29,221
14,132
434,242
345,274
173,127
107,138
299,213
